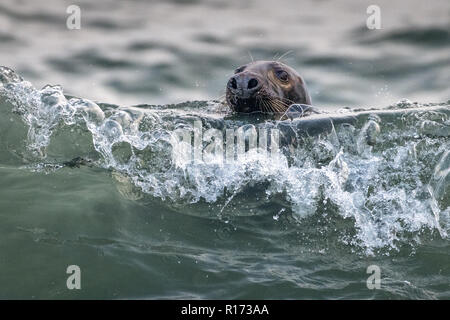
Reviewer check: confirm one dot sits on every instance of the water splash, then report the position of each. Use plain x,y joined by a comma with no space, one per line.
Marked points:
386,171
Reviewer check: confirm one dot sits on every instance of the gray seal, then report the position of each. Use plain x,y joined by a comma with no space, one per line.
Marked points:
267,87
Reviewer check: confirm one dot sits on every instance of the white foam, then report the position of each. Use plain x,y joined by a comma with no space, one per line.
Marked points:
379,181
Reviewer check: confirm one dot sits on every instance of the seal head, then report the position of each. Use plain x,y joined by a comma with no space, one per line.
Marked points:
265,86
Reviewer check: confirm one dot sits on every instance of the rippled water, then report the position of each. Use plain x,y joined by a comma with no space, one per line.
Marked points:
94,184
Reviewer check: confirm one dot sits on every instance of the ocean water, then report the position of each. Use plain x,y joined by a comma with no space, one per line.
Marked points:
90,175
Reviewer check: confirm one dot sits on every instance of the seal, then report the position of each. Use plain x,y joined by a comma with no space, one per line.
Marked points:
267,87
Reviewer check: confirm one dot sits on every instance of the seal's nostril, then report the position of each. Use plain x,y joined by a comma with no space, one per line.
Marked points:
252,83
233,83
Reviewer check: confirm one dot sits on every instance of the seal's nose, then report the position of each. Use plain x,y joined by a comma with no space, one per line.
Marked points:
244,85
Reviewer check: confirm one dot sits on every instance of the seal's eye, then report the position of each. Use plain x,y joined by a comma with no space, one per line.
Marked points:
239,70
282,75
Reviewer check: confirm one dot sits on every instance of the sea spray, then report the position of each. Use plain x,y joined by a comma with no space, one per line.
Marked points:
385,171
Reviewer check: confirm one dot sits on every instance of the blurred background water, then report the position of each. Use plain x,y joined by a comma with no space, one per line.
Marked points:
162,52
260,229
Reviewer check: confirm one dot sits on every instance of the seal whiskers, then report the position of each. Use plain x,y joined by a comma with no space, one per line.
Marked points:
265,86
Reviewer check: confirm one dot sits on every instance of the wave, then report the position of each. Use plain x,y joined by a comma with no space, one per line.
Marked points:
431,36
381,176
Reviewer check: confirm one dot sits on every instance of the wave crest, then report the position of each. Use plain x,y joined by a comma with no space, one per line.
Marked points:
386,171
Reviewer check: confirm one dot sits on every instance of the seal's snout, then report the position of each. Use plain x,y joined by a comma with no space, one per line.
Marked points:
265,86
244,85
